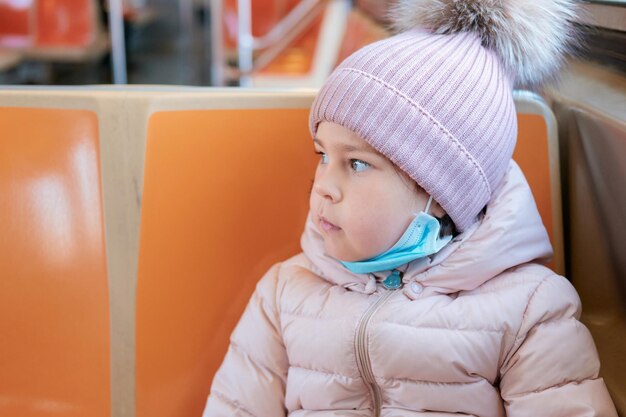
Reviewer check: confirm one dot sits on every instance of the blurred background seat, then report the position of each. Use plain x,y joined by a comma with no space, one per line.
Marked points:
67,31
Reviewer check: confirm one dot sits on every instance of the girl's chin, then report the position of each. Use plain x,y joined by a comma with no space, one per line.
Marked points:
333,252
339,253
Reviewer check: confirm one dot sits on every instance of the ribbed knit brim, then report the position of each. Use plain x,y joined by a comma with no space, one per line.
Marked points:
440,107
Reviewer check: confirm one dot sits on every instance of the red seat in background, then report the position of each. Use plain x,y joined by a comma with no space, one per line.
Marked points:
16,23
65,23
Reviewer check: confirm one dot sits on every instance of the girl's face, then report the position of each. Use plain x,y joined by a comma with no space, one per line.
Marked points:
360,201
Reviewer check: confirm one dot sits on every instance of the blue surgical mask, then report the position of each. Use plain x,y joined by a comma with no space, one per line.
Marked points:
420,239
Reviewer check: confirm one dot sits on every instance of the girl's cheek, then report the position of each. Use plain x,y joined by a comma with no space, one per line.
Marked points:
313,196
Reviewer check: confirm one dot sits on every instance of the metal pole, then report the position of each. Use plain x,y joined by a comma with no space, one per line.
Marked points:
118,53
217,42
244,41
186,20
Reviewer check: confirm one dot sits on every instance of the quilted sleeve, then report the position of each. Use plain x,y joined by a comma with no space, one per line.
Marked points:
251,380
552,368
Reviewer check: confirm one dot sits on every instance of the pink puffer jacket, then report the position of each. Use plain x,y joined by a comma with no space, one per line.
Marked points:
478,329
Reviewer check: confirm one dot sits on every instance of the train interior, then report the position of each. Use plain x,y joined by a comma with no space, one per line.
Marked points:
127,176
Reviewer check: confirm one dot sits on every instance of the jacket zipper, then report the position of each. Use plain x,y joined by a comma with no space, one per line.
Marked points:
362,352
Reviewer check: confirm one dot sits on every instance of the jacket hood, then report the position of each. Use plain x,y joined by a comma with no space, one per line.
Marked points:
510,233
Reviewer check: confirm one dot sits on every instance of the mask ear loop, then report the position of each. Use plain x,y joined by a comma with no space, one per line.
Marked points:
427,209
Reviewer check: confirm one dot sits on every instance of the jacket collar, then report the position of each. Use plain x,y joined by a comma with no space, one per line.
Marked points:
509,234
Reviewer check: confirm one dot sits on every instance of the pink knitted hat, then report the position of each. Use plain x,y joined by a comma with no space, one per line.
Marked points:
437,98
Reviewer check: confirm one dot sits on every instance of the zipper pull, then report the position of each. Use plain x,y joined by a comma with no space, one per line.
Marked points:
394,280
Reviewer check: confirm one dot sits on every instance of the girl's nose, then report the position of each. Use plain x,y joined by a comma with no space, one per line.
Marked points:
325,187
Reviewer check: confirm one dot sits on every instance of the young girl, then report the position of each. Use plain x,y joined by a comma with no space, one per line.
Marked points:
418,291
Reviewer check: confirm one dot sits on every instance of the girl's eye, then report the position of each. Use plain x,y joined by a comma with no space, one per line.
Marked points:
358,165
324,157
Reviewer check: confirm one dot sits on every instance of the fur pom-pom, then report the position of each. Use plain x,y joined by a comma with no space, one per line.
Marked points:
531,37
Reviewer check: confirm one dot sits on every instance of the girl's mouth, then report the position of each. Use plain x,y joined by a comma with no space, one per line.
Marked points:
327,226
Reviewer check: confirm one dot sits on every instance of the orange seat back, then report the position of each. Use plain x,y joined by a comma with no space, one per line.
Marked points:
54,315
225,197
